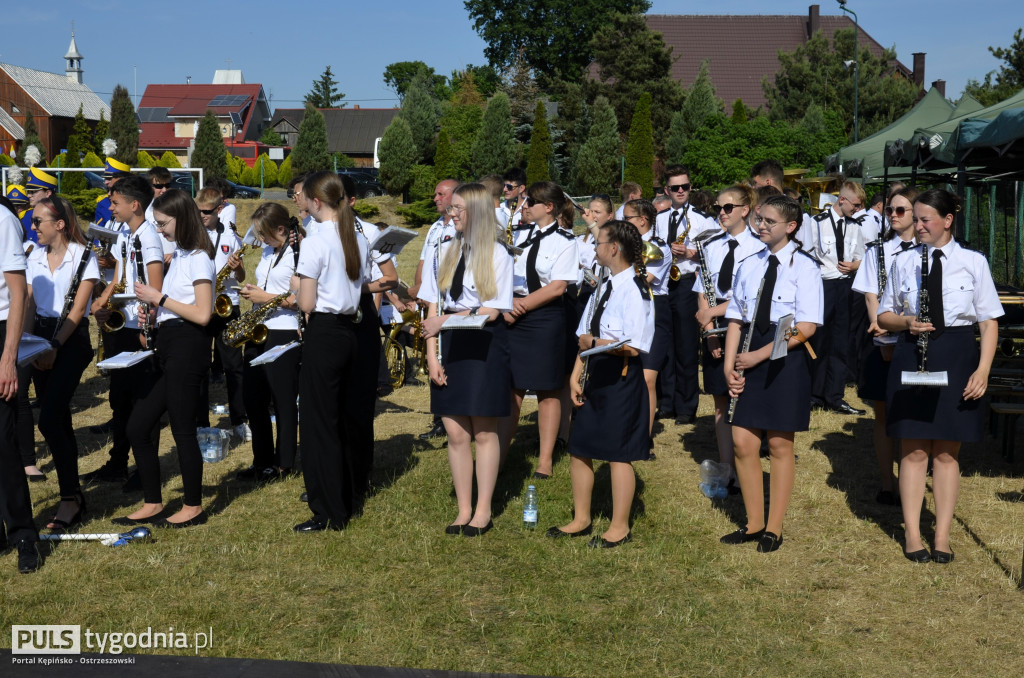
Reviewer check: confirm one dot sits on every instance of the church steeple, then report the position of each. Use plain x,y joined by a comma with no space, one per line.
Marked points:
74,59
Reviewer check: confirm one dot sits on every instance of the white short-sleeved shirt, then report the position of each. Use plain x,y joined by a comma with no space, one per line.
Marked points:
557,257
866,280
870,224
225,243
228,216
274,276
322,257
152,251
691,218
715,250
798,287
187,267
502,300
968,292
659,268
588,252
432,268
375,258
620,213
12,255
437,231
629,314
50,288
819,239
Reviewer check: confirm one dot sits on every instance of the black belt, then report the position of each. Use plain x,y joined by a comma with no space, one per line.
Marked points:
684,276
351,317
175,322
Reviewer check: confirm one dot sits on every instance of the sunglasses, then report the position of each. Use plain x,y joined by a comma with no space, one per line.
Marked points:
600,196
207,213
898,211
511,187
678,188
38,220
727,208
157,187
531,202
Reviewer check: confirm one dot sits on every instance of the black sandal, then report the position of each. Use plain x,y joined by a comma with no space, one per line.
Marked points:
58,525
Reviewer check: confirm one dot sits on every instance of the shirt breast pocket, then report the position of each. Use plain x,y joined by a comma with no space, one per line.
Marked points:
783,298
958,296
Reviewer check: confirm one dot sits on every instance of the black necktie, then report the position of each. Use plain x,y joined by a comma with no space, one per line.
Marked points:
532,277
595,322
673,226
934,287
460,271
763,314
906,244
838,229
725,273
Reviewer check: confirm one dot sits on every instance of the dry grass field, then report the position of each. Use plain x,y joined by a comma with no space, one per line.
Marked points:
838,599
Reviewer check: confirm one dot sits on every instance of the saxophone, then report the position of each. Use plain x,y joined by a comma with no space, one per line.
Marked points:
116,320
673,272
222,304
145,326
249,326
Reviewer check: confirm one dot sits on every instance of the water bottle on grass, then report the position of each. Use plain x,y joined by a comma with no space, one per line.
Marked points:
530,508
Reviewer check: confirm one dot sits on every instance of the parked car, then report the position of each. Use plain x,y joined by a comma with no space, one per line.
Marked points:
367,185
94,180
185,180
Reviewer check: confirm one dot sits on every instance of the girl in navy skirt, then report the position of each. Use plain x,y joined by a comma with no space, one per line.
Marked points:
548,264
613,403
875,365
470,383
773,396
934,421
723,252
642,215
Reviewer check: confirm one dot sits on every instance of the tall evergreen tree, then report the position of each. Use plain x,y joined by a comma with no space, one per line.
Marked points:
421,111
79,143
461,119
701,103
325,92
640,147
495,147
102,131
520,85
598,158
82,131
124,125
32,136
209,152
539,155
444,156
310,153
397,153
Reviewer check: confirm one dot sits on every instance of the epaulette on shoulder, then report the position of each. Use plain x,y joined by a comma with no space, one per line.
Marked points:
752,254
700,213
513,251
522,226
809,256
568,235
915,248
821,217
712,238
645,291
967,246
657,241
859,220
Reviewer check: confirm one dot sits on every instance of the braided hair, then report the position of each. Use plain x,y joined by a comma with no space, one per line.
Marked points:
626,236
789,210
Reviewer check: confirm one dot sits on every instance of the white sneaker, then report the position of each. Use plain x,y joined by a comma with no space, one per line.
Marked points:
243,433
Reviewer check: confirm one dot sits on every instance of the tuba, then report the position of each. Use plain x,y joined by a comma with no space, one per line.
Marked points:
222,303
116,320
249,326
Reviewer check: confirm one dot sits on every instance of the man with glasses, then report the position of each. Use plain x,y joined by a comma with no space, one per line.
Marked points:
834,238
515,194
678,226
160,179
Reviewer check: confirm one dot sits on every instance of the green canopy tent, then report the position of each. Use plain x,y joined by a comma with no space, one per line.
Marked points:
943,138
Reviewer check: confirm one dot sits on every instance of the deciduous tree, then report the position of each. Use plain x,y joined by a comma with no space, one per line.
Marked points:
1008,80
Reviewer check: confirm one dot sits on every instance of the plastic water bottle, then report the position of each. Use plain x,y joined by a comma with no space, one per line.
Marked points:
530,508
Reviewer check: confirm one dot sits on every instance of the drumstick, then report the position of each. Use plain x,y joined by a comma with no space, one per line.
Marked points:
107,539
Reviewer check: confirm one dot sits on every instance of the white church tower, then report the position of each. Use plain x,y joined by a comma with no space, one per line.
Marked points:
74,59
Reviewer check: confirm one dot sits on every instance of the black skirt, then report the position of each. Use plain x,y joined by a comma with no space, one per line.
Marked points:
572,321
611,425
928,412
874,376
656,358
777,394
476,363
537,348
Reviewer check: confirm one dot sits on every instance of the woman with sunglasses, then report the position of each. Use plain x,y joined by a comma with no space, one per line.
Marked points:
61,259
548,264
470,383
933,422
772,396
612,403
722,254
183,306
874,373
642,215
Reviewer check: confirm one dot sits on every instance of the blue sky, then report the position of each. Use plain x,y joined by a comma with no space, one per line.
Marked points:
285,46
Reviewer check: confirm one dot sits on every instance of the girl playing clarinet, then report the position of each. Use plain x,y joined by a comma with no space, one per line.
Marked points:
933,421
771,396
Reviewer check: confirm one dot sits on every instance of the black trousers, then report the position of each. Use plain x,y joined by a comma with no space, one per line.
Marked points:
328,352
860,344
127,387
276,383
26,425
832,342
232,363
361,393
55,388
15,503
181,349
679,386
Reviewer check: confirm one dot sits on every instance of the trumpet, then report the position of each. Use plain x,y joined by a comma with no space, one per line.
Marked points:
222,304
673,274
250,327
116,320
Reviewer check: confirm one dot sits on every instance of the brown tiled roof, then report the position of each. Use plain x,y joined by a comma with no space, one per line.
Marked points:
352,131
742,49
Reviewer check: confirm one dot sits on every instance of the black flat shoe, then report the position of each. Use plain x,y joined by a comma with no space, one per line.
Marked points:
921,556
453,529
537,475
472,531
846,408
132,522
191,522
556,533
941,557
769,542
436,431
250,473
304,497
29,558
315,525
35,477
741,536
106,474
600,542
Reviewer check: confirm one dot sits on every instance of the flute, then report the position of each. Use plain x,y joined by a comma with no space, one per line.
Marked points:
746,346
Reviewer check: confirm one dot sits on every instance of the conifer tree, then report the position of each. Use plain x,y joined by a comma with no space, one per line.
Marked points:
495,147
397,155
124,126
31,136
101,132
209,152
310,153
598,158
325,92
421,111
640,147
539,155
444,156
169,160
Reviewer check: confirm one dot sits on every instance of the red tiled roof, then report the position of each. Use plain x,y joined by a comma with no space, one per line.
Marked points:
192,101
741,49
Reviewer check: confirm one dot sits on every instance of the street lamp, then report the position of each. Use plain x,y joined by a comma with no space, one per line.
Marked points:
856,66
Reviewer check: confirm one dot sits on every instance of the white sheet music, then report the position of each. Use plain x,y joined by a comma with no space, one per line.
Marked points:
393,240
273,354
123,360
30,348
604,348
780,349
464,322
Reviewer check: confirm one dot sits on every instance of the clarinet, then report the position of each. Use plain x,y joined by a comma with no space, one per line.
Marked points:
69,297
746,346
709,289
590,317
293,226
140,276
882,273
922,310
